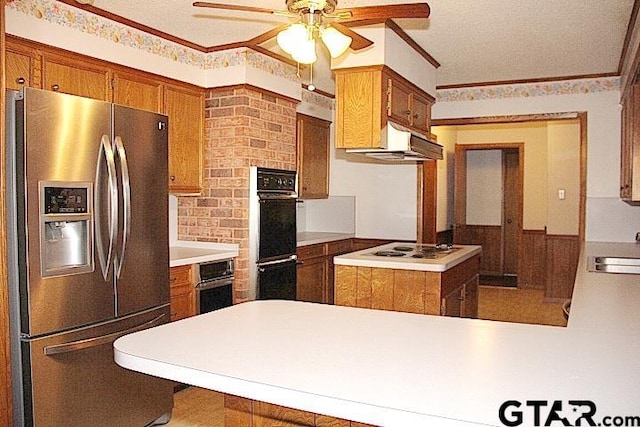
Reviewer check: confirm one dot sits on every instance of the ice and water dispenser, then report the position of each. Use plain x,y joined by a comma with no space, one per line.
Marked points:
66,232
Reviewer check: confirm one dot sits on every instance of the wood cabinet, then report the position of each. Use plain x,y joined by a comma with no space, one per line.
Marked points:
137,91
367,97
67,75
452,293
182,291
242,412
185,108
20,67
315,281
35,65
313,139
630,146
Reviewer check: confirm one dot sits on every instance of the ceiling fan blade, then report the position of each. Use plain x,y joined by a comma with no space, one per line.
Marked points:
382,13
232,7
358,42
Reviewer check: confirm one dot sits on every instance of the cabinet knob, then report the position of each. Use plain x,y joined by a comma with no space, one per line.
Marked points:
408,112
172,178
55,88
415,116
21,80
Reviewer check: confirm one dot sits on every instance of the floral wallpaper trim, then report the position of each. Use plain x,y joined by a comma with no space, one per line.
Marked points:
68,16
525,90
317,99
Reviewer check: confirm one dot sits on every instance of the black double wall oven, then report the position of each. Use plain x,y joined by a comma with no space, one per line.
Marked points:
273,233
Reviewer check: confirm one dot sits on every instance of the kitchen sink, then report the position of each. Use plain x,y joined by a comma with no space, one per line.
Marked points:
606,264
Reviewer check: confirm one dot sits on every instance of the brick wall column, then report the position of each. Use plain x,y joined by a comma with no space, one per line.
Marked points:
244,127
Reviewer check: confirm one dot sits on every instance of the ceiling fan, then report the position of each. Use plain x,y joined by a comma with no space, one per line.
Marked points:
320,19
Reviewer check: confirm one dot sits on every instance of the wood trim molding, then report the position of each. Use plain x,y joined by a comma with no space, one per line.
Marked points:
527,81
5,343
255,88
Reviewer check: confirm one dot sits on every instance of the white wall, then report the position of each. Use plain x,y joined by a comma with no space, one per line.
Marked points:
608,218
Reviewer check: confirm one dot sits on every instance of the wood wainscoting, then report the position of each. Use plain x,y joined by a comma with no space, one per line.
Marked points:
547,261
489,237
533,263
563,252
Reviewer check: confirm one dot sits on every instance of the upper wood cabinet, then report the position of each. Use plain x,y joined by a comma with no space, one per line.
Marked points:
74,77
630,148
19,67
137,91
367,97
185,108
35,65
313,157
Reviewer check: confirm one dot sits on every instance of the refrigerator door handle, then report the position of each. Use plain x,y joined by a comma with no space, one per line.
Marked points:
126,201
52,350
106,152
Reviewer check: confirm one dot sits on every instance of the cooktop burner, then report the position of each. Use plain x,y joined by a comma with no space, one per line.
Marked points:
418,251
389,253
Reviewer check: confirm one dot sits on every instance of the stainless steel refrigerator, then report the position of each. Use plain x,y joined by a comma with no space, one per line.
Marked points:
88,257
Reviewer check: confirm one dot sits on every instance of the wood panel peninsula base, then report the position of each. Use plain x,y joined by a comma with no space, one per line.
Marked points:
241,412
444,286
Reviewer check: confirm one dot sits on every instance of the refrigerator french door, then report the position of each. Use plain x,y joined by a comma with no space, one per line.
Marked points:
88,256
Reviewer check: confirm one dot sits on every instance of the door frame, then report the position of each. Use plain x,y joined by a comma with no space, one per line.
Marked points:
545,117
460,190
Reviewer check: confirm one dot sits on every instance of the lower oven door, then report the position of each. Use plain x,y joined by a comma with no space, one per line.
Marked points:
214,295
277,280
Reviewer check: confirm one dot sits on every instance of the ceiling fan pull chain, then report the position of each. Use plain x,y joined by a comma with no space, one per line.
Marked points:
311,86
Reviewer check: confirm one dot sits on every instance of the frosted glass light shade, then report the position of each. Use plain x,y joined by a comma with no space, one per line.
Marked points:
305,52
336,42
290,39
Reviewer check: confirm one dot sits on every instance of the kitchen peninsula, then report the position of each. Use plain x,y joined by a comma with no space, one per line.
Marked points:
414,278
401,369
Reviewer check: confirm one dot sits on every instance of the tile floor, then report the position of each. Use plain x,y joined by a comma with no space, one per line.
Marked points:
195,407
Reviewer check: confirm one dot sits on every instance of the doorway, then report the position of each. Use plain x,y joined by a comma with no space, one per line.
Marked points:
488,206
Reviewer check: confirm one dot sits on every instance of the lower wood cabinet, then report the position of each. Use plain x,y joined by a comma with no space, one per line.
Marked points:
451,293
316,271
241,412
182,292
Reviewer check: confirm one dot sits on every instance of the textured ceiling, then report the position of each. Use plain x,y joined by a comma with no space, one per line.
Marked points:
474,40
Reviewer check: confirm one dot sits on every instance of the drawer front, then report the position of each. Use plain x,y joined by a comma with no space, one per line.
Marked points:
180,275
311,251
339,247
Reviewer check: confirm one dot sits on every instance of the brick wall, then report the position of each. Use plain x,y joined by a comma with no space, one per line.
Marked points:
244,127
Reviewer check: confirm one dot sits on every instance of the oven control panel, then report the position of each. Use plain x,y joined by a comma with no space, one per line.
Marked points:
276,180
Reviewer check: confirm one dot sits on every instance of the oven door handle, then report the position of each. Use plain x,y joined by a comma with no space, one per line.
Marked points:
276,262
214,283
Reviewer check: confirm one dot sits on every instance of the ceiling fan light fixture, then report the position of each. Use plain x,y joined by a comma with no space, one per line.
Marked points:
305,52
336,42
291,38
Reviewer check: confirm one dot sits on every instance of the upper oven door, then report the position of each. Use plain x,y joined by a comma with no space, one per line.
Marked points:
277,232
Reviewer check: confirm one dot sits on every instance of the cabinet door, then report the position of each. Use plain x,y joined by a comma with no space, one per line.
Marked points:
630,148
181,289
452,303
185,108
420,112
75,78
313,157
137,92
470,308
398,106
358,109
310,285
19,69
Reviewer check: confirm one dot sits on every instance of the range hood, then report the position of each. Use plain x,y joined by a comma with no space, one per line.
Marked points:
402,144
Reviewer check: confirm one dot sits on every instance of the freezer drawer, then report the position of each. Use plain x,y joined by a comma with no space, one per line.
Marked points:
72,380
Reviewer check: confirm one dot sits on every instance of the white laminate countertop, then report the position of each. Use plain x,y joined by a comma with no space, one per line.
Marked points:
400,369
305,238
183,252
364,258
